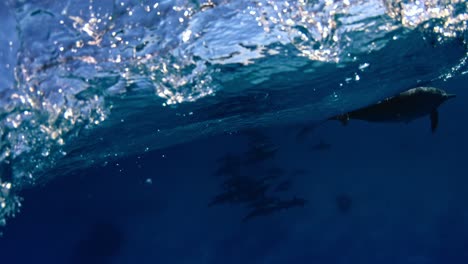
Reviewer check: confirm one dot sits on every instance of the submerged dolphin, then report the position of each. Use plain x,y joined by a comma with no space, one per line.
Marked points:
404,107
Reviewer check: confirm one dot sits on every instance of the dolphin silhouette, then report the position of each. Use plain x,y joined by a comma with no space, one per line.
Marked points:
404,107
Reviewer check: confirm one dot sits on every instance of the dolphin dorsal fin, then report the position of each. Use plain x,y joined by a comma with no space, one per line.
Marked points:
434,120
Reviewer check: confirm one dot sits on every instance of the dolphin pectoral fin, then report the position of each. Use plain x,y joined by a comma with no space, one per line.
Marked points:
434,120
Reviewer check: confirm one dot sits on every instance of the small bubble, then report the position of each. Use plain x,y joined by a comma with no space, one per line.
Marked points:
45,153
79,43
149,181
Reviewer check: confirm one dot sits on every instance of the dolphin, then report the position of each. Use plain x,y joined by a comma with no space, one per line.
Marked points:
322,145
403,107
273,205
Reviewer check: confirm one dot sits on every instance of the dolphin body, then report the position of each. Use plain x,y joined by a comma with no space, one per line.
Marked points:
403,107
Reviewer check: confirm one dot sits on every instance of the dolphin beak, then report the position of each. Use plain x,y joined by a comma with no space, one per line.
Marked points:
448,96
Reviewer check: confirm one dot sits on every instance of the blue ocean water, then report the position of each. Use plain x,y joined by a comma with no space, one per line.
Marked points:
126,125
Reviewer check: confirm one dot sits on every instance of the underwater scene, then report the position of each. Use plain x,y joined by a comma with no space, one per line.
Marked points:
234,131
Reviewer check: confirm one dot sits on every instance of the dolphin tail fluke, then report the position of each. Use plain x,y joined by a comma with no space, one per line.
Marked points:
342,118
434,120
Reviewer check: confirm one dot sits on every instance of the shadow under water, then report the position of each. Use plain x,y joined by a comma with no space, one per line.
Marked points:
101,244
252,179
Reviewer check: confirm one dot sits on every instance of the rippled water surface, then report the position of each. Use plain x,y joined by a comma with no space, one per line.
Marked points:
86,82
